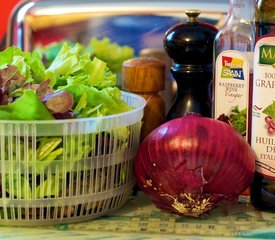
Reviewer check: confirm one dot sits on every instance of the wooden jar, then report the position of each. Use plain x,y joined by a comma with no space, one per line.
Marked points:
145,76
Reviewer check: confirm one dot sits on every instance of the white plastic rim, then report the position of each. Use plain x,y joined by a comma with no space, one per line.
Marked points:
66,171
93,124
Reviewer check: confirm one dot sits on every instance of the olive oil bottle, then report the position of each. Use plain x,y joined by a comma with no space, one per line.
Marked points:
262,108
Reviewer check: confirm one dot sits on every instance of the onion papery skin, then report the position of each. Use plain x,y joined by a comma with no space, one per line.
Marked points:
189,165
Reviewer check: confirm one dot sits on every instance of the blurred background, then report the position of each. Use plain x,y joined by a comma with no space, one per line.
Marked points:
140,24
5,12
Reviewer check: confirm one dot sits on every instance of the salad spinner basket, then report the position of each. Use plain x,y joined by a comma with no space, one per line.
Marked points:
66,171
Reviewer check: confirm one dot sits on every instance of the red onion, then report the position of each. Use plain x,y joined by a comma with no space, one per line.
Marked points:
189,165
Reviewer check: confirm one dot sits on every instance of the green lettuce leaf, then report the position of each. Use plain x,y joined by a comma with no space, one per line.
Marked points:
46,146
99,74
111,53
26,107
67,62
18,187
105,101
72,65
49,187
29,65
51,50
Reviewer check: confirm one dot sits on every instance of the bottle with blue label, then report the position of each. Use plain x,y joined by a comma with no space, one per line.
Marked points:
233,65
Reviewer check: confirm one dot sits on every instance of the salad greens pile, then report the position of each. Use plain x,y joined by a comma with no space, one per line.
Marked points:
75,83
111,53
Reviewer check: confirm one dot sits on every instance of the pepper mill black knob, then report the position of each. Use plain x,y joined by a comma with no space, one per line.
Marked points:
190,45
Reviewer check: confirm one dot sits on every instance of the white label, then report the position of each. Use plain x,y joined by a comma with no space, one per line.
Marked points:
263,106
232,88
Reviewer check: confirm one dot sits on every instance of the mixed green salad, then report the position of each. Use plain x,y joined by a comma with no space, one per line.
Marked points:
111,53
76,84
62,81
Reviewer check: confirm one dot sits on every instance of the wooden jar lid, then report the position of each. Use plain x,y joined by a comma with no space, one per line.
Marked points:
143,74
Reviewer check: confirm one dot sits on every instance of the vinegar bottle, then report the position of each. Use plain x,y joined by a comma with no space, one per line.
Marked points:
233,65
263,108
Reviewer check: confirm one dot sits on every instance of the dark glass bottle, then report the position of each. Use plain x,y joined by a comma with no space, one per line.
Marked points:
265,17
262,134
190,45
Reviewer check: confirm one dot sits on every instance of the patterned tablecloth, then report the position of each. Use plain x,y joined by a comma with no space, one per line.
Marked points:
139,219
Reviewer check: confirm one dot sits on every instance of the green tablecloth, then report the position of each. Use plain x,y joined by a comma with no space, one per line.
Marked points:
139,219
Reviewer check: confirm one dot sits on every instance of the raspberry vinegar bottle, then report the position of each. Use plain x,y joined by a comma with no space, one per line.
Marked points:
233,56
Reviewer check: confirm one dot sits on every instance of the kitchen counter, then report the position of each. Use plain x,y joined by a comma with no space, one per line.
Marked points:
139,219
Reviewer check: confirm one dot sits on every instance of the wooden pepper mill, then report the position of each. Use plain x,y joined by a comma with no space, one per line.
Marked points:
145,76
170,90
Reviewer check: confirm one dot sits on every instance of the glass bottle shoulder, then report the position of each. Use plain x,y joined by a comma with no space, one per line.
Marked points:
236,28
237,35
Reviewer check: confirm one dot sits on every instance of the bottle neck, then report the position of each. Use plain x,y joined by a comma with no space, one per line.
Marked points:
242,10
265,11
